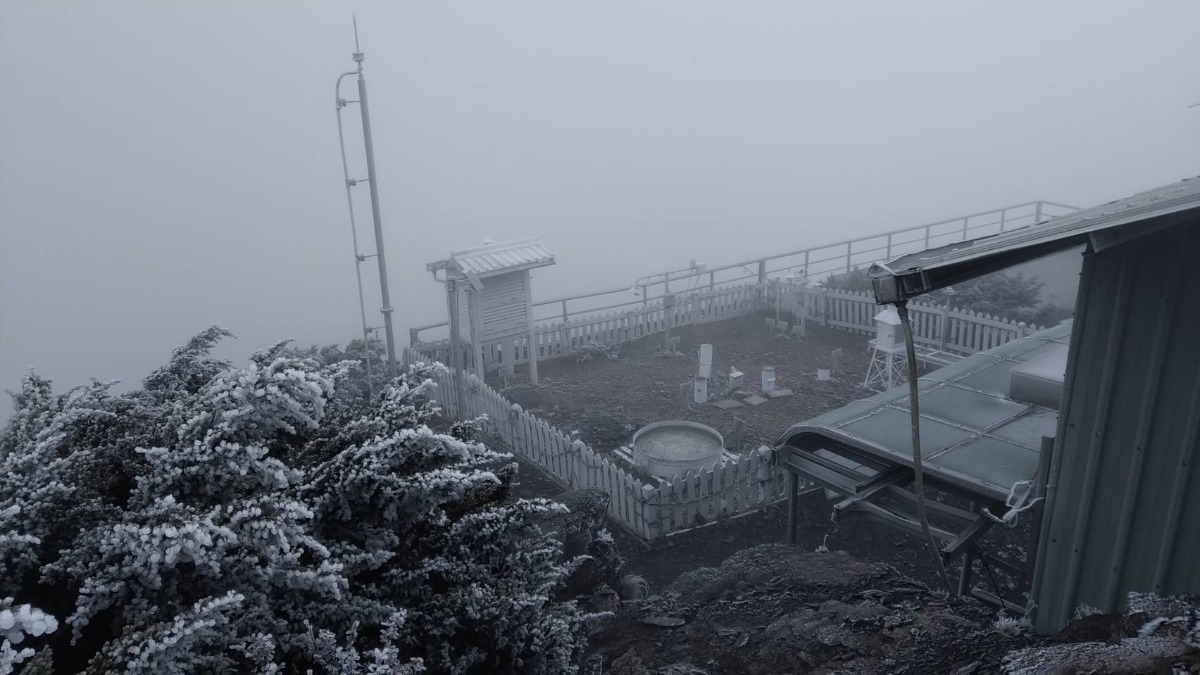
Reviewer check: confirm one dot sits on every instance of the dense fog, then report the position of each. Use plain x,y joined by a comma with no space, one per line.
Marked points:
165,167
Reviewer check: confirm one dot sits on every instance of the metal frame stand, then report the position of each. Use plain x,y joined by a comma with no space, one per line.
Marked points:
886,369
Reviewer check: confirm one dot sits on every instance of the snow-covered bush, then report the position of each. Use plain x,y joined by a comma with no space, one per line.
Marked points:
17,622
229,519
420,518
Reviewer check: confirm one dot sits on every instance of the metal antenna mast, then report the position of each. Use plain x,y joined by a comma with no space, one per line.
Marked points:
386,309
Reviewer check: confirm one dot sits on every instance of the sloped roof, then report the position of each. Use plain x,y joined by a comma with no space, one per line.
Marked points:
973,433
492,259
1100,226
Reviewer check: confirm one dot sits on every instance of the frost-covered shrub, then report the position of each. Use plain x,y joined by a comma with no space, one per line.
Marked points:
197,639
419,518
16,623
228,519
67,464
358,383
191,366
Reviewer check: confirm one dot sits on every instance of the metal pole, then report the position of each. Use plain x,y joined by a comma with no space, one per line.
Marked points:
455,346
793,493
358,258
386,310
915,423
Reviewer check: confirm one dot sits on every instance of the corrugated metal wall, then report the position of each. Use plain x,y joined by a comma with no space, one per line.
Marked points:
1124,512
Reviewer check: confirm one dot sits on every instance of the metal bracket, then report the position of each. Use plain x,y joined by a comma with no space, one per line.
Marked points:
869,489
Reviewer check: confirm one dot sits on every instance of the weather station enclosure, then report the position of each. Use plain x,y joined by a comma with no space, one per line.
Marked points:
489,298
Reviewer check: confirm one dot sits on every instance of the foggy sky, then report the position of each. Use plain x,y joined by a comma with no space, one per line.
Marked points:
167,166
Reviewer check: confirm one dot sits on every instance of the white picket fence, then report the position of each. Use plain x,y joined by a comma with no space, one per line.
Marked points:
726,489
946,329
949,330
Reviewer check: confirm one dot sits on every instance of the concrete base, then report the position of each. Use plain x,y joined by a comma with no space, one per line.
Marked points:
755,400
779,393
728,403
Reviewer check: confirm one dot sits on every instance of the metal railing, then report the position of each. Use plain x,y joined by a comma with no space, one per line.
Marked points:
817,263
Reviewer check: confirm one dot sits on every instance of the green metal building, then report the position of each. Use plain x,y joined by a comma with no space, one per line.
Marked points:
1122,508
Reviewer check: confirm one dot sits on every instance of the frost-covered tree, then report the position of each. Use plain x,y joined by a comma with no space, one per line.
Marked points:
419,519
17,623
229,519
356,385
191,367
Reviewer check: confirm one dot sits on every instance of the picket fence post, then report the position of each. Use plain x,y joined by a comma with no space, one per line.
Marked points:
651,527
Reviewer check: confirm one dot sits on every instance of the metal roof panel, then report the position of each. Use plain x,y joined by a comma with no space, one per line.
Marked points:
918,273
492,259
958,420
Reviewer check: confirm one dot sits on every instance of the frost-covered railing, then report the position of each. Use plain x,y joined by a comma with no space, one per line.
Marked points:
727,489
938,326
819,262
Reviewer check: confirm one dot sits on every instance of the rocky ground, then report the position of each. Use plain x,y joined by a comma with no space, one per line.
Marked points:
774,609
729,598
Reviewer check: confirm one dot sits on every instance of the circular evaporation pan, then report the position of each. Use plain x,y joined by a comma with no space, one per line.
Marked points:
671,448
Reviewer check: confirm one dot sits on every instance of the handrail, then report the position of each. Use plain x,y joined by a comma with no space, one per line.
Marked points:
846,242
845,258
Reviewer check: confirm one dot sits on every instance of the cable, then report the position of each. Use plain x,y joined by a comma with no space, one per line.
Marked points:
988,568
915,421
